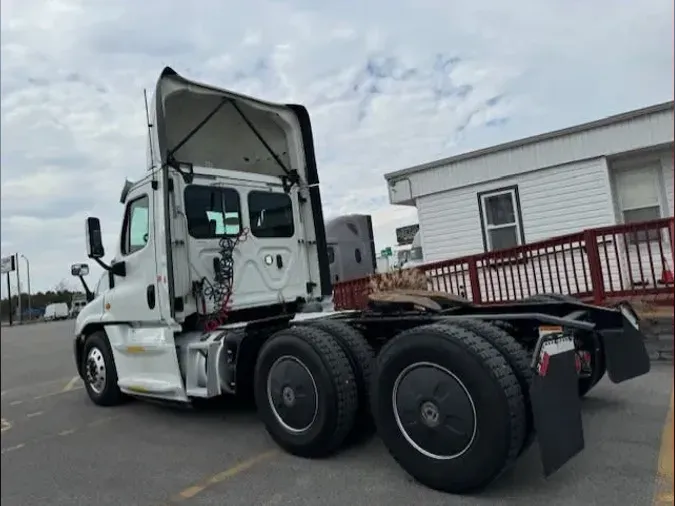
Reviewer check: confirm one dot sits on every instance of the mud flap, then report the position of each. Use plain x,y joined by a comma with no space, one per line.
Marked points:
556,406
625,352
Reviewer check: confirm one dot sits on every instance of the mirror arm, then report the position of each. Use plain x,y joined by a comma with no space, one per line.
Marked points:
102,264
87,291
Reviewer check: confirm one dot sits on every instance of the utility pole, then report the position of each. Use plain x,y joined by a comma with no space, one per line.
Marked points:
18,289
9,298
30,308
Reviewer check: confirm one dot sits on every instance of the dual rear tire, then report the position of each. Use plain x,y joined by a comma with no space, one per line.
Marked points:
448,407
445,399
311,387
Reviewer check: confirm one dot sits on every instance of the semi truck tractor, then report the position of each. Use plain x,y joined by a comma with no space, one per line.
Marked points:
220,285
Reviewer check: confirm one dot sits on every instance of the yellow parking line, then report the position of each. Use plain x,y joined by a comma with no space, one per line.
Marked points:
233,471
663,494
71,384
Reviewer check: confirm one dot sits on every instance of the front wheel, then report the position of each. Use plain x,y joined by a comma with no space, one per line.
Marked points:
99,372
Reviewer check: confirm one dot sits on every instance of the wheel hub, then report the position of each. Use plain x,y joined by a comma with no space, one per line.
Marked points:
289,396
430,414
95,370
292,394
434,411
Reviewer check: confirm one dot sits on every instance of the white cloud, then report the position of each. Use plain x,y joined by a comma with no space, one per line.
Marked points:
388,85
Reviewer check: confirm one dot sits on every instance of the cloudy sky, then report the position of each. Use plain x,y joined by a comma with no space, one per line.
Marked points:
388,84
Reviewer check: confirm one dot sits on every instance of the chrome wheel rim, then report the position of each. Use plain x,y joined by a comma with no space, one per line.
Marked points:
95,370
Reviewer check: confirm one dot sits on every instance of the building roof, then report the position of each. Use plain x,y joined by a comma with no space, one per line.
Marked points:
616,118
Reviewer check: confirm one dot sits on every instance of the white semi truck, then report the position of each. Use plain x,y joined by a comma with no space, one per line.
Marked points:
220,285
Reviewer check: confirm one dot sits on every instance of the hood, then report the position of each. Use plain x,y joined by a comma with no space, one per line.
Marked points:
229,131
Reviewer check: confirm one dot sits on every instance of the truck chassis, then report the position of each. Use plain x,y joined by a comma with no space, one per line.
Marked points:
456,391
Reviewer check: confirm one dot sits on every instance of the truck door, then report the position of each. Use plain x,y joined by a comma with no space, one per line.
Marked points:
275,241
134,297
135,307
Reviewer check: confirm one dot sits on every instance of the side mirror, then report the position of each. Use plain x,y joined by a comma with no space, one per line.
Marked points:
79,270
95,247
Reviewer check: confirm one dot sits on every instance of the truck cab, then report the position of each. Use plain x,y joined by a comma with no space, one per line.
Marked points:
226,226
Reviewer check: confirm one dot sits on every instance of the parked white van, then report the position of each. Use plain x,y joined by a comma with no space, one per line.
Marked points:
56,311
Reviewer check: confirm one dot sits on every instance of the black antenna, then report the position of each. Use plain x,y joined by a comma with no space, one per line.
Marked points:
149,125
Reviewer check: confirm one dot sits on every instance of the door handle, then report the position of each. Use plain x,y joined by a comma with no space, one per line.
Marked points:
150,296
280,262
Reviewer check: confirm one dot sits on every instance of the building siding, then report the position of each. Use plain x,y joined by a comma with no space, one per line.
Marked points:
668,174
555,201
637,133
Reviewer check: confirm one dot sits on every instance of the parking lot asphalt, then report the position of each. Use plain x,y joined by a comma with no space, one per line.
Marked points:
60,449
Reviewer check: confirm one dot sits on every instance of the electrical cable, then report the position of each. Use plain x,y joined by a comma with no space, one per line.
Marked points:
220,291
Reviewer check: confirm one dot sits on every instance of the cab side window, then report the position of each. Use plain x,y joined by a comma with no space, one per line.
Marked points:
212,211
270,215
136,225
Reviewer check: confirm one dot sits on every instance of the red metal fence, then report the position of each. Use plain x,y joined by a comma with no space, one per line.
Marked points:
632,261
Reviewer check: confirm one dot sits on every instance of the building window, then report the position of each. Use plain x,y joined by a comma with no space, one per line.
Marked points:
500,218
638,199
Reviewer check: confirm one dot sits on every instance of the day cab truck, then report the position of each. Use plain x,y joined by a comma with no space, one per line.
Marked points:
220,285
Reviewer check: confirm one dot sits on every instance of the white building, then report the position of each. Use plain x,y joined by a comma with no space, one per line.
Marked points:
611,171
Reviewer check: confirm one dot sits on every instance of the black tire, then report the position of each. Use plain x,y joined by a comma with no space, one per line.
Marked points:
479,380
361,357
332,401
592,344
517,357
97,359
507,327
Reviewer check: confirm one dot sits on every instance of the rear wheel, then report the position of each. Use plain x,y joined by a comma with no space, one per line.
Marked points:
447,407
361,356
517,358
305,391
99,371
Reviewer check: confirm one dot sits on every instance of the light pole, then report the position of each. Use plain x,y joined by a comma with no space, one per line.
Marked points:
30,311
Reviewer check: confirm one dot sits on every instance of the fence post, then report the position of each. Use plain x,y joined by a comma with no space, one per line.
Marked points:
594,266
473,280
672,242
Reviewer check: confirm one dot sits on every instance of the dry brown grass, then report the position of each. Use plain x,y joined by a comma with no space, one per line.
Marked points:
408,279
